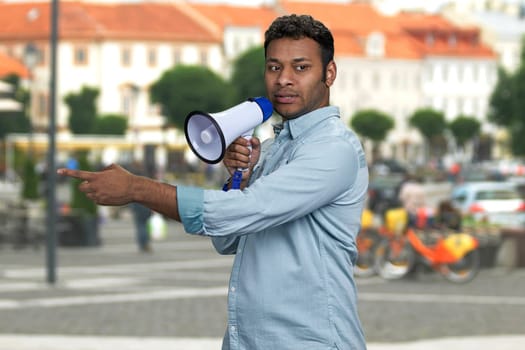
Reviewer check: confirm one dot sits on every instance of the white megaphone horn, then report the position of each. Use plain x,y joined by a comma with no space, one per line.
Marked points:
209,134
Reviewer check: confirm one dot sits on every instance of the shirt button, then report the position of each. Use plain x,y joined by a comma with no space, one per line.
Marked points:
232,289
232,328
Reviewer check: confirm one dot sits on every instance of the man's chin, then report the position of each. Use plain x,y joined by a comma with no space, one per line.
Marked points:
288,113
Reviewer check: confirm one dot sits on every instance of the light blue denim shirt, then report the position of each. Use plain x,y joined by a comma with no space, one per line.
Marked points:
293,231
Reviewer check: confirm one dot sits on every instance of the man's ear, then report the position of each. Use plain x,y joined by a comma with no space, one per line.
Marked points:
331,73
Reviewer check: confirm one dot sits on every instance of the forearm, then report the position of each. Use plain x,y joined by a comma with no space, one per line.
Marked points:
158,196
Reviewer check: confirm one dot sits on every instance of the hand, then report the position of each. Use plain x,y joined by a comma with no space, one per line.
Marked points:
111,186
242,154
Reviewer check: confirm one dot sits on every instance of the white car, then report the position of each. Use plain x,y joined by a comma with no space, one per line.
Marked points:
499,202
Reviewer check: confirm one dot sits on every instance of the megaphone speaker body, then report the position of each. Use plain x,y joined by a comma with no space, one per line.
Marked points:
209,134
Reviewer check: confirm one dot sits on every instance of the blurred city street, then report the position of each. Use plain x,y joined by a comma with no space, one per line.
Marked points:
114,297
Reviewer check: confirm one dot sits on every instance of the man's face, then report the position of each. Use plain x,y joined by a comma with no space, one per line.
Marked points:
294,77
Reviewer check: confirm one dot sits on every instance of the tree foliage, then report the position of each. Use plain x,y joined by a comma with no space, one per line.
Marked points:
501,111
184,89
464,128
82,110
79,200
431,124
30,180
110,124
373,125
15,121
248,74
507,104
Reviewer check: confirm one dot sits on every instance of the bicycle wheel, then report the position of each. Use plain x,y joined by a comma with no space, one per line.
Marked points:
463,270
366,245
364,266
394,258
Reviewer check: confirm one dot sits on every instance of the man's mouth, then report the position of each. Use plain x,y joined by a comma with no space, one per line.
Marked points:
284,98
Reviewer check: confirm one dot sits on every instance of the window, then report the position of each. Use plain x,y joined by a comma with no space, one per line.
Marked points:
429,40
452,40
80,55
125,57
177,56
126,104
375,45
129,94
203,57
446,73
496,195
152,57
394,80
237,45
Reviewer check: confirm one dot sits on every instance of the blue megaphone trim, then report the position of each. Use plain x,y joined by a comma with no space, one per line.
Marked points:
265,105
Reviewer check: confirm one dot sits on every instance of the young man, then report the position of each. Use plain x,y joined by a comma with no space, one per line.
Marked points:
294,223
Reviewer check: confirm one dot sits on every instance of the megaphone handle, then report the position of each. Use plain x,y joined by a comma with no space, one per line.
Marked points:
237,179
237,175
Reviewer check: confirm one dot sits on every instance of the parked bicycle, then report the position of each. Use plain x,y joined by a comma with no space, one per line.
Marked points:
454,255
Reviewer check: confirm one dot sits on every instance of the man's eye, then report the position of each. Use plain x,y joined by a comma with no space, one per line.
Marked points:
273,68
301,67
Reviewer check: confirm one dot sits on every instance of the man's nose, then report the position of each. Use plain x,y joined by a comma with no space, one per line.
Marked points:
285,76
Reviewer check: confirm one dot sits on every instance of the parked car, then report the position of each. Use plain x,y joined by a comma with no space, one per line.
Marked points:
498,202
383,191
387,166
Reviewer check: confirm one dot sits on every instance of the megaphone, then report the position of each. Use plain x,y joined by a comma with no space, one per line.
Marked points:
209,134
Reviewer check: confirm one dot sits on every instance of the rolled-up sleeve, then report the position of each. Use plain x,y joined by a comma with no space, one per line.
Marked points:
190,201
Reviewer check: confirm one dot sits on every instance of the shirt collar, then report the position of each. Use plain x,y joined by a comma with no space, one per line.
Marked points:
300,124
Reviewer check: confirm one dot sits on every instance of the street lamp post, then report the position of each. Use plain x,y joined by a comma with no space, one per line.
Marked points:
51,178
31,57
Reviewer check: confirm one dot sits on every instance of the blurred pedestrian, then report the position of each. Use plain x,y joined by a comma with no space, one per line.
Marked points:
141,215
413,198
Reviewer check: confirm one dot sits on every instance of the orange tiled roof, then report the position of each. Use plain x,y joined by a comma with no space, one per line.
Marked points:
355,16
437,36
352,22
243,16
9,65
151,21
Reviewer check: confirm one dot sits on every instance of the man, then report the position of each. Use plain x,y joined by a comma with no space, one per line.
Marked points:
294,223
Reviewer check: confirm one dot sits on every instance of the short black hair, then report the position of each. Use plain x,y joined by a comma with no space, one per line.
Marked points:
302,26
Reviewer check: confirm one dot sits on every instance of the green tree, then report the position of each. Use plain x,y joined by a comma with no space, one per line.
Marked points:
184,89
501,102
79,201
30,180
82,110
464,129
507,104
431,124
373,125
248,74
15,121
110,124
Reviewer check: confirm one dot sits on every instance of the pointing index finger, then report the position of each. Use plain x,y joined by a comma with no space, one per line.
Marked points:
77,174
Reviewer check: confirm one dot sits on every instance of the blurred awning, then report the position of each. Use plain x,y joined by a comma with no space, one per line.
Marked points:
9,105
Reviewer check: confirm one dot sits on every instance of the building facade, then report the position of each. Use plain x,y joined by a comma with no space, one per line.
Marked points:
394,63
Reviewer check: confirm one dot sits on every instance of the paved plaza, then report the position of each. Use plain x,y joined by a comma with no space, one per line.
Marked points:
113,297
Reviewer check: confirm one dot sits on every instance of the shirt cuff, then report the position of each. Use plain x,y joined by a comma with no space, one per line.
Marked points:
190,202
